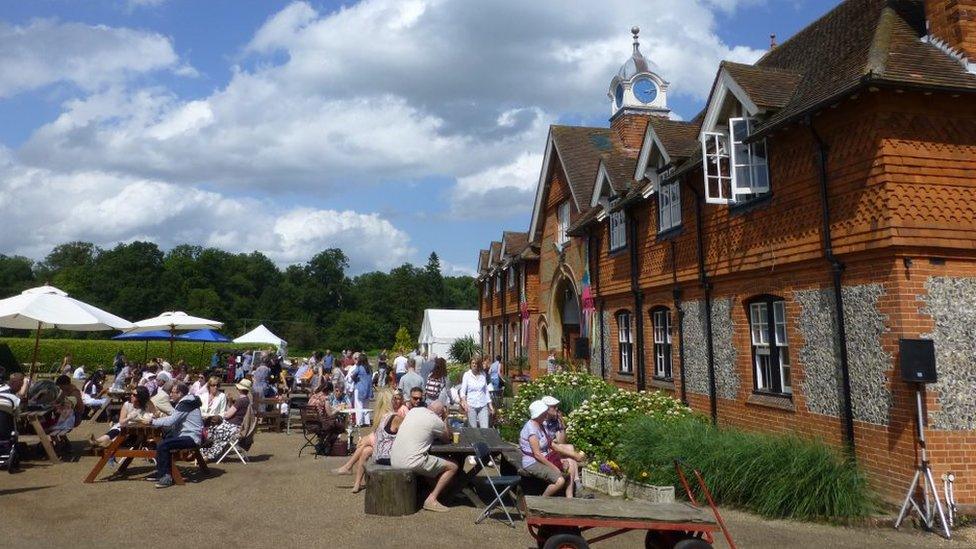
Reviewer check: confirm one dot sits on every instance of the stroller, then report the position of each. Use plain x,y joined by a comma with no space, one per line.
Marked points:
8,434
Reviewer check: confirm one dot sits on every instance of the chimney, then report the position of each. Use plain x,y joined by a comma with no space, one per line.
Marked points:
952,23
628,129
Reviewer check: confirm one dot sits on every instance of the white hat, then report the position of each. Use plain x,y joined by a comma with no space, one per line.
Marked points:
550,401
537,409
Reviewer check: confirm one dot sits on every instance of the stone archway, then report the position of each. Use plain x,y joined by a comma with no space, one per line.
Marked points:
564,304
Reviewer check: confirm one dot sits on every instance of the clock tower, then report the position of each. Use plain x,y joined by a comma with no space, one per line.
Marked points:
637,87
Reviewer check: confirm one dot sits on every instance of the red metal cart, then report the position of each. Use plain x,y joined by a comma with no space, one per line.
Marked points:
559,523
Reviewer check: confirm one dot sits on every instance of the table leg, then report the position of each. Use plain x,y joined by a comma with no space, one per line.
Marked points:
175,473
45,440
201,463
123,466
106,455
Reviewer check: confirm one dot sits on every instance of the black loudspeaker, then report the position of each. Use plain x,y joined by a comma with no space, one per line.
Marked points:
582,348
917,358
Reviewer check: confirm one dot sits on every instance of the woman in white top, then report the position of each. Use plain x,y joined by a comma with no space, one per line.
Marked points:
474,393
214,401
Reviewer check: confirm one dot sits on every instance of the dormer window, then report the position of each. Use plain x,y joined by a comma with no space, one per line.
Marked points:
618,230
562,218
669,206
498,283
736,173
487,286
511,277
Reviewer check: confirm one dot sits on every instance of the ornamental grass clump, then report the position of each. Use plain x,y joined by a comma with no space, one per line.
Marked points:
570,388
594,427
776,476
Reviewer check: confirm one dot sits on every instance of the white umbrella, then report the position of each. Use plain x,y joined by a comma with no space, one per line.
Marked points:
47,307
172,321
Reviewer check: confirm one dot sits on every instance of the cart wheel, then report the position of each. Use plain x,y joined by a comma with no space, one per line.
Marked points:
566,541
692,543
655,539
547,532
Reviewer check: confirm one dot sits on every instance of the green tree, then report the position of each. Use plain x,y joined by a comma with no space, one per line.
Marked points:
435,282
16,275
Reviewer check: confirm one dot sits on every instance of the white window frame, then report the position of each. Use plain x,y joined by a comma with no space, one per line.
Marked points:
661,322
669,206
716,165
750,166
625,342
618,230
562,219
511,276
769,342
487,286
498,282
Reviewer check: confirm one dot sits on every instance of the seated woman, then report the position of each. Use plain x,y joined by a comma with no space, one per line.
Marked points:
383,438
321,400
91,394
555,427
339,399
137,409
538,458
214,400
385,402
222,435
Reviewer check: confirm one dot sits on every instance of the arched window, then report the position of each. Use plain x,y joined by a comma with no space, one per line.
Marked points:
625,342
661,323
770,348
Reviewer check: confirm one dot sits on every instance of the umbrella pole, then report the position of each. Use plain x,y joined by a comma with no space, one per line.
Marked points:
145,357
171,346
37,348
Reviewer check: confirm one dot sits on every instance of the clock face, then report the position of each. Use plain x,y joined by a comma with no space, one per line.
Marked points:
619,94
644,90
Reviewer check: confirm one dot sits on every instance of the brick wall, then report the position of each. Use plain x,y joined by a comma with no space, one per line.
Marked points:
954,22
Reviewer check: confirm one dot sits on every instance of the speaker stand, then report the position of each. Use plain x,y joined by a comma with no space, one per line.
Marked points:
930,503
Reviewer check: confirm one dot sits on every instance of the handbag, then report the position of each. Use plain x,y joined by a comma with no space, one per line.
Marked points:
554,458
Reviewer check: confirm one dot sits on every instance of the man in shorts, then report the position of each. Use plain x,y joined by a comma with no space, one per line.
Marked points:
411,449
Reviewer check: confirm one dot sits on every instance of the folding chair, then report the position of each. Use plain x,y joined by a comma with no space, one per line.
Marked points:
506,483
295,405
244,439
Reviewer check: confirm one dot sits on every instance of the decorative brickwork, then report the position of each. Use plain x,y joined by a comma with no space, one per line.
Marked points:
951,302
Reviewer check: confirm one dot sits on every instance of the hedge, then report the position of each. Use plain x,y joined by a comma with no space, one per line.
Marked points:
93,353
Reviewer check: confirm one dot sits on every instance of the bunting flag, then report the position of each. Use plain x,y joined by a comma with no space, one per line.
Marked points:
588,305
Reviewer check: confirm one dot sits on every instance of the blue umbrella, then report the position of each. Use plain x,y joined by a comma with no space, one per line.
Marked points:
144,336
206,336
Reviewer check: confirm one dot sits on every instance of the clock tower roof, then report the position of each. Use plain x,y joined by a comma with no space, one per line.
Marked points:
637,63
637,86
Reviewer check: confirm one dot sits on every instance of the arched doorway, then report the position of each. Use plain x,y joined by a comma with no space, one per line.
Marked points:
566,306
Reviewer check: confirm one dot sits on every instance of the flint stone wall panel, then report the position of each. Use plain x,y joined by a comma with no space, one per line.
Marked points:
951,302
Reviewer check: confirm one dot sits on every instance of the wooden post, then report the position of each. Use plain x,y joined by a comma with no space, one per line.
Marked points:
37,348
390,492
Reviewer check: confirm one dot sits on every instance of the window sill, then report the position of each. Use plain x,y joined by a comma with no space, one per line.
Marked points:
772,400
669,234
743,208
662,383
617,251
623,373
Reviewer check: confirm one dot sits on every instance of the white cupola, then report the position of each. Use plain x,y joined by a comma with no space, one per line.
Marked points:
637,86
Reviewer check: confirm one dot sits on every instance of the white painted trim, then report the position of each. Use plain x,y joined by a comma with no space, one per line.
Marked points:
724,84
601,176
543,178
650,139
958,55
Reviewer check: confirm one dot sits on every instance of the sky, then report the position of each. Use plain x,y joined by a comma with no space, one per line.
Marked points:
388,128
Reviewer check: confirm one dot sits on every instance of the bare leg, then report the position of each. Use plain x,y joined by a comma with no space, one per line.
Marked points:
573,468
554,487
357,484
442,482
365,442
568,450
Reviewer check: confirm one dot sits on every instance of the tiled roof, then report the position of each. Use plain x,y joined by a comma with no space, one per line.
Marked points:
620,169
860,41
679,138
515,242
767,87
482,261
577,228
495,251
579,150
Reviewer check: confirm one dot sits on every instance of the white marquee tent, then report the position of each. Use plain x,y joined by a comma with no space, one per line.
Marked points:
263,336
442,327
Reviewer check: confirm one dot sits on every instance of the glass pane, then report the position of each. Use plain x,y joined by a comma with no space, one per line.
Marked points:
675,205
740,130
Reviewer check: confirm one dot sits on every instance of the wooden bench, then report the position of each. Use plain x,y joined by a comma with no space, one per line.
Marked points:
267,409
390,492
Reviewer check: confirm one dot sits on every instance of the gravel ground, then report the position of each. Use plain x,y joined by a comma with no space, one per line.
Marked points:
279,500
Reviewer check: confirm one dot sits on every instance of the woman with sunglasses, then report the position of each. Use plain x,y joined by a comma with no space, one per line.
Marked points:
214,400
137,408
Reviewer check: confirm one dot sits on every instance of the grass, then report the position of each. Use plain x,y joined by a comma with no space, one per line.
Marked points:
776,476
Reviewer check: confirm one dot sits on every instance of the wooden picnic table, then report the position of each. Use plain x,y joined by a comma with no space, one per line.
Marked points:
138,441
32,418
465,480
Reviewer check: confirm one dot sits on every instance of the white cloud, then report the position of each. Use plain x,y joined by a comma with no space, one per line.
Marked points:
133,4
46,51
509,188
41,209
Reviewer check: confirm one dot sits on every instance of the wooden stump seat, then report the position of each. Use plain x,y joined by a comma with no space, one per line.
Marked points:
390,492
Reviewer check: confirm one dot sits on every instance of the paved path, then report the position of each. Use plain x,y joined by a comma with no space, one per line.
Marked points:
279,501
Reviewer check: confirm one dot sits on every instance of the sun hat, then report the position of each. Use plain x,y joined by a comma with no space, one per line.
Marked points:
537,408
244,385
550,401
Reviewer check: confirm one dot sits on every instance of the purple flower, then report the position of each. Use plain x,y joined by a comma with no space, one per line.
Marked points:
605,469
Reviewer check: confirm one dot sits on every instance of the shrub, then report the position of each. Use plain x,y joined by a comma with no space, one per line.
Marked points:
402,341
455,372
594,427
463,350
93,353
571,385
777,476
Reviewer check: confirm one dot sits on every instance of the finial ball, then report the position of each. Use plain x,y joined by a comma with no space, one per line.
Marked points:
635,30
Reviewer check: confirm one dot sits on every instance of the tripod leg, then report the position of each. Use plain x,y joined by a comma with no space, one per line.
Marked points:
908,499
938,502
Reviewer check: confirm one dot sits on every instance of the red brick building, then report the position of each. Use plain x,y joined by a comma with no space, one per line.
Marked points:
762,261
